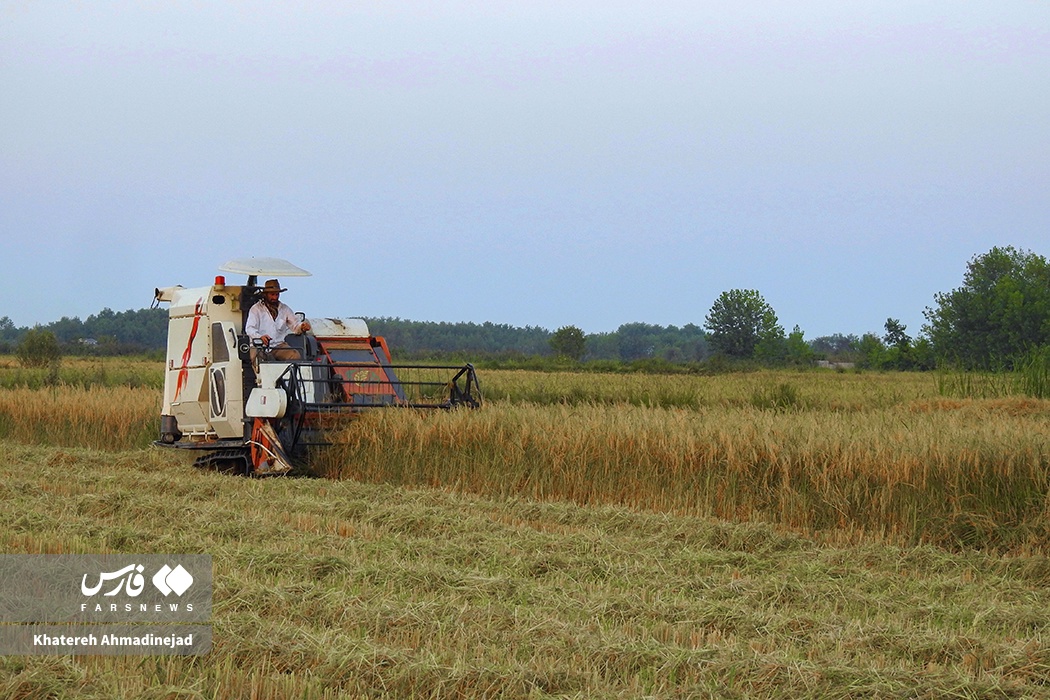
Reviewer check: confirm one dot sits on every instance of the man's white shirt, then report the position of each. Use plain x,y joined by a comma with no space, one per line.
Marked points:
261,323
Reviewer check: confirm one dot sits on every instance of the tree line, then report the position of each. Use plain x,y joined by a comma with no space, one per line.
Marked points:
999,316
106,333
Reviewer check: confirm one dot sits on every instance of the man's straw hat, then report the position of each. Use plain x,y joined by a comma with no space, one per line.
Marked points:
272,286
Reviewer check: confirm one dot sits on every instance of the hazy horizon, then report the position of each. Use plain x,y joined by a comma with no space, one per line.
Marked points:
523,163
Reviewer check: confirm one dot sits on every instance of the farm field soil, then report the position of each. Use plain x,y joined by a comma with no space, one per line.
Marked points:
345,589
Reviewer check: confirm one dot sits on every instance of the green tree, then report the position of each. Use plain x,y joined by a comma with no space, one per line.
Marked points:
7,329
38,348
999,314
898,350
798,350
569,341
872,351
895,334
637,341
740,322
837,347
603,346
921,355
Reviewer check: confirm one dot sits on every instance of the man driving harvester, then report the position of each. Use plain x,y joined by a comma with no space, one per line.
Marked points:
270,321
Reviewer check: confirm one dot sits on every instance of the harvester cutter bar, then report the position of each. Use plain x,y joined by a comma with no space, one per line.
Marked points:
349,386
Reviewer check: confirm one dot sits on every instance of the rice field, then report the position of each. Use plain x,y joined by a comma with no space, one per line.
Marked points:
799,534
335,589
951,473
839,455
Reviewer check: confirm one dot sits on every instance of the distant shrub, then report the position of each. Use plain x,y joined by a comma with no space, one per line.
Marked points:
39,348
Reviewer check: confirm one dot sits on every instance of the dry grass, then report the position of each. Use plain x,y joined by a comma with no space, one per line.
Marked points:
493,584
842,455
963,473
330,589
102,403
836,391
99,417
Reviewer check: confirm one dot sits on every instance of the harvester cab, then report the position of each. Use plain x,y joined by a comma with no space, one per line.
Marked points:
256,418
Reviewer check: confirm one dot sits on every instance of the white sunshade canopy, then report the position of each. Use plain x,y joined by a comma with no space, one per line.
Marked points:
263,266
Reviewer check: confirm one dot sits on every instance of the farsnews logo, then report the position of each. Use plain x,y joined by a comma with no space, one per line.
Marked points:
129,582
129,578
139,588
166,580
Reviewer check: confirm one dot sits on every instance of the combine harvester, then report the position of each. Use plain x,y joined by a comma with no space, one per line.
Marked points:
252,422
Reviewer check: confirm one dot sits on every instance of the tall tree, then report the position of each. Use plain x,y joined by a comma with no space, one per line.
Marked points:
872,351
898,350
999,314
7,329
895,334
740,321
569,341
637,340
798,350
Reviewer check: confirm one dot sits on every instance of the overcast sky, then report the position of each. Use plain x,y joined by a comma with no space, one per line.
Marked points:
531,163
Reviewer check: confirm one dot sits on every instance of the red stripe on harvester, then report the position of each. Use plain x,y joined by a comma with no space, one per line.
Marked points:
184,372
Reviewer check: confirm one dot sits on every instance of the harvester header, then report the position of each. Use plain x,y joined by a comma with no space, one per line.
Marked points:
250,406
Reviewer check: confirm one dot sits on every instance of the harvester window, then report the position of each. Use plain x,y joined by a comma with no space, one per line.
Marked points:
365,356
219,350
